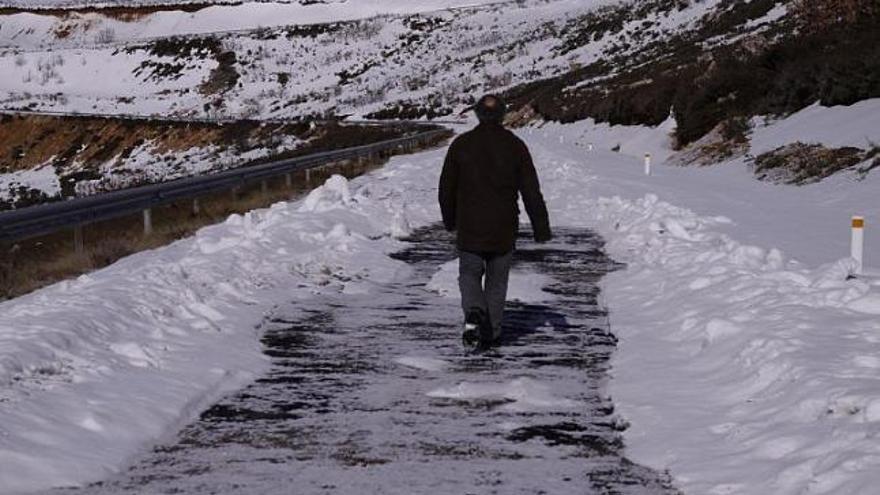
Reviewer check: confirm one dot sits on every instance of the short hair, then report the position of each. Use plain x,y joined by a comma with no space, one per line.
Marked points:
490,108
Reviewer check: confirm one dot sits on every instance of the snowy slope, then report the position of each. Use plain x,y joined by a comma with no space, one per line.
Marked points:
740,369
34,30
398,63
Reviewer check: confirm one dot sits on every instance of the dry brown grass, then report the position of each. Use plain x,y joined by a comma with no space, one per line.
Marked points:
28,265
27,141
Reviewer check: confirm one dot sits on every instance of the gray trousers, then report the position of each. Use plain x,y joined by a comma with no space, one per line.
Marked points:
491,296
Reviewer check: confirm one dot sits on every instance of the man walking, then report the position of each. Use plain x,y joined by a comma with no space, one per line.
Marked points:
485,170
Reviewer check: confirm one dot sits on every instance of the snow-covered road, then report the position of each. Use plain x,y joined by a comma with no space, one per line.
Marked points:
374,394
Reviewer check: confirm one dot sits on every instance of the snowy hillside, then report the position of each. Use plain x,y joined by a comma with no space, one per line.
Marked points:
712,64
110,4
359,67
86,27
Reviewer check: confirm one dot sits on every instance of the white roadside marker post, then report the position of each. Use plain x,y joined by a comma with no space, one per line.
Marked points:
857,246
148,222
647,164
590,147
78,242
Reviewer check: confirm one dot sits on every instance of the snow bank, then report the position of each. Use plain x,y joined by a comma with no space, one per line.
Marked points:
854,125
809,223
741,370
94,369
728,352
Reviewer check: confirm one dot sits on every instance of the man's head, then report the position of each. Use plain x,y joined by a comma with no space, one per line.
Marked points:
490,109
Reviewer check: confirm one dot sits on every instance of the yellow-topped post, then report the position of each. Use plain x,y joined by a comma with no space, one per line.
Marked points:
857,247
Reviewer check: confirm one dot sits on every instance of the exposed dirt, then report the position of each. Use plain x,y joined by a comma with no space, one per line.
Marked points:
800,163
728,140
83,143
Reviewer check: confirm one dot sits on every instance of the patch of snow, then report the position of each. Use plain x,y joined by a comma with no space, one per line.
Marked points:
838,126
423,363
523,394
42,178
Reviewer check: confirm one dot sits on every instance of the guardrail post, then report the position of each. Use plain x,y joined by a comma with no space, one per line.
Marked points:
148,222
235,193
78,243
857,244
195,206
308,176
288,181
264,188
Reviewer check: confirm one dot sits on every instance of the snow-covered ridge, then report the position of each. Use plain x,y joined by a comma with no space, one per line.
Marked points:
395,66
34,30
38,5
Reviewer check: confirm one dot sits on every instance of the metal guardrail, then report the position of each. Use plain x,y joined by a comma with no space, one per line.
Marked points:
216,120
51,217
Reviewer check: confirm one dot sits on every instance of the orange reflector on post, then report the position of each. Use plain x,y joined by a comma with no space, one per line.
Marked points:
858,222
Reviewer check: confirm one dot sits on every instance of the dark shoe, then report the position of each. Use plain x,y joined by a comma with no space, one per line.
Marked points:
474,323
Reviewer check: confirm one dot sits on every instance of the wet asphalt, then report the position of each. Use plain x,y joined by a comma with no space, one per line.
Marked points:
338,414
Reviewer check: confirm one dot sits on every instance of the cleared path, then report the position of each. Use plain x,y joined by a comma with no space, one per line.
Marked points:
373,394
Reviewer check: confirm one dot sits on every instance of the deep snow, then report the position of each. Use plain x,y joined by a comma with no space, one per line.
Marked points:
747,360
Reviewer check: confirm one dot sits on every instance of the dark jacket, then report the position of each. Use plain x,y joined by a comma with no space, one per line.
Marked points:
484,170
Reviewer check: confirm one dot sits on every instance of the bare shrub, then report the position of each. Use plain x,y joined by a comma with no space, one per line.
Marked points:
818,15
